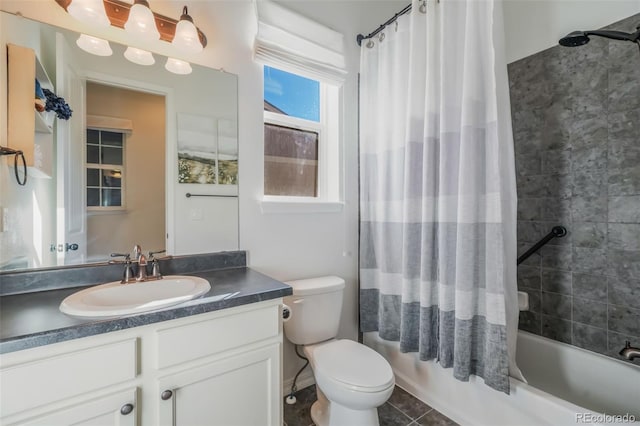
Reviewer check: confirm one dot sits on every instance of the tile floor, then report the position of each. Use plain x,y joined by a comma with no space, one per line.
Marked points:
402,409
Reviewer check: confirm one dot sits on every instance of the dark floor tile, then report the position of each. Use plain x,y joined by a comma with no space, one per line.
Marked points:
435,418
388,415
407,403
299,414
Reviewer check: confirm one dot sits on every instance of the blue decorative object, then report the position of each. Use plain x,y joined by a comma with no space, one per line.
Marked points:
39,92
57,104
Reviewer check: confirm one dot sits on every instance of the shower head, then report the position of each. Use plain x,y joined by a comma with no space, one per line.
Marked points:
573,39
578,38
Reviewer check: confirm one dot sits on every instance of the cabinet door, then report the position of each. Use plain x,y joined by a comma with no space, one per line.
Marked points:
243,390
118,409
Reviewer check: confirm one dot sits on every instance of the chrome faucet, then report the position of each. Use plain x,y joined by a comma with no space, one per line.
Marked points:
141,260
127,277
155,265
629,352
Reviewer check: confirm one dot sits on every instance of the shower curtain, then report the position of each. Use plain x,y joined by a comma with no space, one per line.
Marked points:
437,189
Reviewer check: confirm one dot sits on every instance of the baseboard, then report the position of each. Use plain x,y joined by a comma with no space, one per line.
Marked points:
305,379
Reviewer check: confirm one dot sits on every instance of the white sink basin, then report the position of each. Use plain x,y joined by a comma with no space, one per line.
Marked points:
115,299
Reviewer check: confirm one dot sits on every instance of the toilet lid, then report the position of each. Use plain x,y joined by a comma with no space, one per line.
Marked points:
353,364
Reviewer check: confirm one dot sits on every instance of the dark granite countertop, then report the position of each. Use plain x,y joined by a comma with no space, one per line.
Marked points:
33,319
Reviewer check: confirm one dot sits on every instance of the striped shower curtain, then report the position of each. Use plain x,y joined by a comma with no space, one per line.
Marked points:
437,197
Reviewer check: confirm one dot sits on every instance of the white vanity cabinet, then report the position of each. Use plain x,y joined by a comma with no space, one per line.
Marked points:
217,368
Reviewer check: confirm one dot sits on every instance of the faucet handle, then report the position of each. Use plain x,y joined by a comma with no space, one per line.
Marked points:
127,257
152,253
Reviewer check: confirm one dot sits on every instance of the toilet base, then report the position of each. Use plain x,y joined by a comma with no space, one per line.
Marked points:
327,413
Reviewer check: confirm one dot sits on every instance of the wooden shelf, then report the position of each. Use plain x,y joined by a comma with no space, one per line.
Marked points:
28,130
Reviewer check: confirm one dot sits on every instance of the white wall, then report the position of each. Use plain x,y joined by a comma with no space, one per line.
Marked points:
535,25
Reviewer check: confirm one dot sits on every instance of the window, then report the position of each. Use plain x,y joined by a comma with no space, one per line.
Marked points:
105,170
300,136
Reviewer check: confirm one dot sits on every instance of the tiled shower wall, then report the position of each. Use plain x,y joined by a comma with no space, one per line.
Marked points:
576,122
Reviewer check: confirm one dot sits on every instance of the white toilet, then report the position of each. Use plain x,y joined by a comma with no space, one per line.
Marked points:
352,380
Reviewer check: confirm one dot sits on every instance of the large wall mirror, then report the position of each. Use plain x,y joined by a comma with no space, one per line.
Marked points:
148,157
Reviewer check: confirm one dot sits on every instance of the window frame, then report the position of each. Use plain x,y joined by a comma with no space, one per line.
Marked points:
329,168
104,166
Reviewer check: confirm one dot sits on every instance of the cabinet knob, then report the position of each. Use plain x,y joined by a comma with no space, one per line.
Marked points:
166,395
126,409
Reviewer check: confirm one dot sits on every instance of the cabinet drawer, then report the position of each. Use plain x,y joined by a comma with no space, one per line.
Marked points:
63,376
191,341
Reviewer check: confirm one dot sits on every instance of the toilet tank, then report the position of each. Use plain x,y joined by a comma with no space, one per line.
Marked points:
315,305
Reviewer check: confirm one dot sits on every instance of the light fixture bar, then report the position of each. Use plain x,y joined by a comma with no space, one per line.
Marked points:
118,13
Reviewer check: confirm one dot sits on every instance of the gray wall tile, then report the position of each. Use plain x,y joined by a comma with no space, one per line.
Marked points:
624,236
589,209
591,338
554,209
624,320
589,234
587,260
556,257
624,181
577,111
589,312
556,329
623,264
529,163
589,130
593,287
592,159
624,292
556,281
589,183
556,162
556,305
624,209
528,277
530,321
529,209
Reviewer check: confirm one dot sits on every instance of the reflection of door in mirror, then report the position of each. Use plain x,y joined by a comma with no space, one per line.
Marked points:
125,180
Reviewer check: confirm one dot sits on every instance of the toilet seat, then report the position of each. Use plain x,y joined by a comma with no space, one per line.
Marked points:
353,365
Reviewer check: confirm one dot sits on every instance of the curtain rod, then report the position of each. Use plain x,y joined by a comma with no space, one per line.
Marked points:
360,37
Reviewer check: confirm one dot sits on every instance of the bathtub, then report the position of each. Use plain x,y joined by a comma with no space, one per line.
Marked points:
567,386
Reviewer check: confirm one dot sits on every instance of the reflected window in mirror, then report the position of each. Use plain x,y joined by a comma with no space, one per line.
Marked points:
105,169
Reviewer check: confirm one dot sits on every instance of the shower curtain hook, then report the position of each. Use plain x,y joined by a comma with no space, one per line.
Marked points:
423,6
370,44
381,36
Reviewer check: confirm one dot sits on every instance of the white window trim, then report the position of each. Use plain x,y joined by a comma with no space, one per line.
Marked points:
122,208
330,174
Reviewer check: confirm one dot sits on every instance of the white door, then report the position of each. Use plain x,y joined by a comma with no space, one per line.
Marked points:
238,391
118,409
70,139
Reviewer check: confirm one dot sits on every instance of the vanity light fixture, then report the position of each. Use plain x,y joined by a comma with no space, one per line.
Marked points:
139,56
89,11
94,45
177,66
141,22
118,13
186,37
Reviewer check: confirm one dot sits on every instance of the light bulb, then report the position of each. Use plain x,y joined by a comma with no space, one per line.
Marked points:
141,22
90,12
94,45
139,56
186,36
177,66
